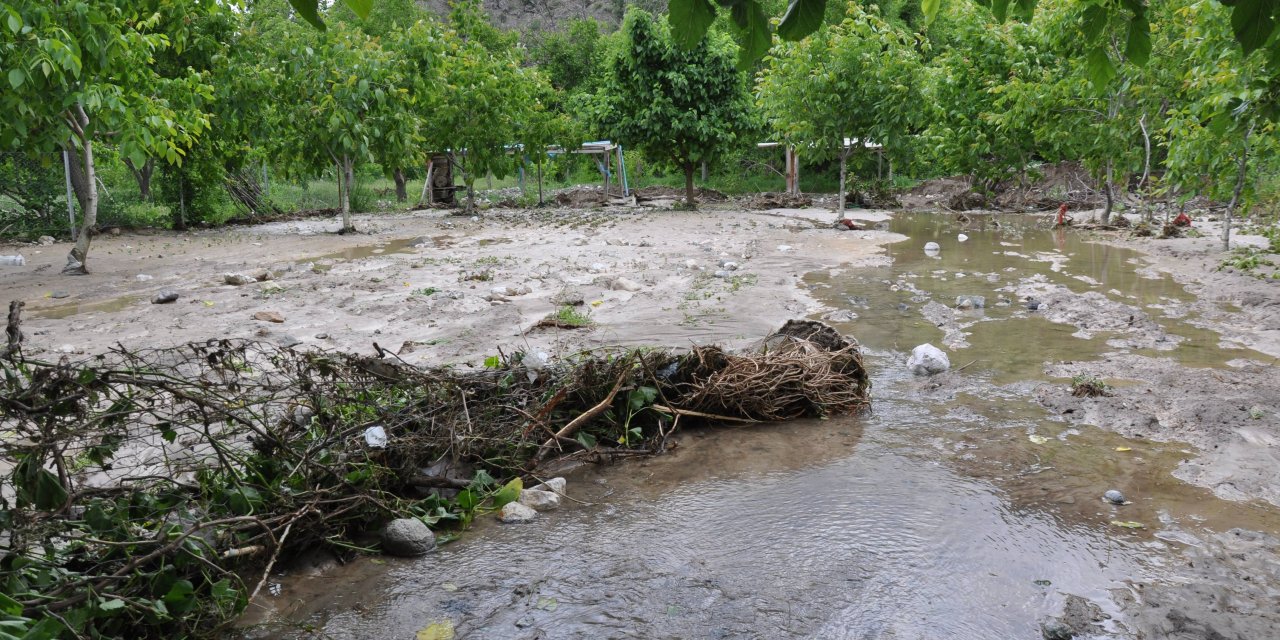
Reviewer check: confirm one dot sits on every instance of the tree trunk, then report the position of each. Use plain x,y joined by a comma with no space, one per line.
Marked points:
86,192
1241,171
1108,192
704,172
844,163
428,189
402,192
688,186
540,201
143,176
346,167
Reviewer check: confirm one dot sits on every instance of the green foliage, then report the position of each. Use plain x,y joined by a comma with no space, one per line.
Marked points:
679,105
568,316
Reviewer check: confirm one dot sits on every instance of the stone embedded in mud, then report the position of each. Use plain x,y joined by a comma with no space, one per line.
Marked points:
1114,497
927,360
625,284
408,538
539,500
516,513
236,279
971,302
1054,629
46,241
165,297
1033,304
556,485
268,316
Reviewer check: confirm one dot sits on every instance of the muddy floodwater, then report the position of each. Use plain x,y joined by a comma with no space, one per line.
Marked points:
960,507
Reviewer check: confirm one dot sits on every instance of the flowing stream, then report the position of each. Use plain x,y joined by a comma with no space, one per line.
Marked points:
937,515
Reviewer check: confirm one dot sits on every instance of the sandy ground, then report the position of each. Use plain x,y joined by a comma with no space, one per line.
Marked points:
437,288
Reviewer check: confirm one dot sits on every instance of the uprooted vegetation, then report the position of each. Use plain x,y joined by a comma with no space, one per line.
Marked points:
150,493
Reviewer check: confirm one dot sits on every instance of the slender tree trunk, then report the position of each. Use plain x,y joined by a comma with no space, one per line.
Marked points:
428,189
1242,170
402,193
704,172
540,201
182,205
839,206
1108,192
688,186
347,178
142,176
86,192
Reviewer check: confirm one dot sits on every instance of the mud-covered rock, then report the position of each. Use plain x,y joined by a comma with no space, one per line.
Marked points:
927,360
408,538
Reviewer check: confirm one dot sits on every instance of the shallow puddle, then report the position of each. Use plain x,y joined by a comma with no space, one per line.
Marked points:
60,311
968,514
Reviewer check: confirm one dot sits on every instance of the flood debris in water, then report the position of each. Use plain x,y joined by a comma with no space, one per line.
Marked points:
190,471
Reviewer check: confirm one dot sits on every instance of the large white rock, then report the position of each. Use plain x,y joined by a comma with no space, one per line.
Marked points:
516,513
932,247
927,360
539,500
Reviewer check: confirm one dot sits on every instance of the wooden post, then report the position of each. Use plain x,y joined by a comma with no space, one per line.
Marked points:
604,168
622,191
428,189
793,171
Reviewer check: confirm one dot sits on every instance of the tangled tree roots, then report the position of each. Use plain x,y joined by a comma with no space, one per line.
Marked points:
149,493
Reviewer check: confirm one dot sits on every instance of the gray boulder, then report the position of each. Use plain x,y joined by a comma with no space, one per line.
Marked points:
165,297
516,513
554,485
408,538
539,500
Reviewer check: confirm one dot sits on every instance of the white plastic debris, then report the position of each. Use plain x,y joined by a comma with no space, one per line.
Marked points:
375,437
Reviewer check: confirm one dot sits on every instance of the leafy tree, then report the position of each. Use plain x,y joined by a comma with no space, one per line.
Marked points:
477,106
572,58
82,72
346,96
684,105
857,79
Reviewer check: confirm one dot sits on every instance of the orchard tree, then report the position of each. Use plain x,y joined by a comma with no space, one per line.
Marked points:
346,95
77,73
684,105
477,106
857,79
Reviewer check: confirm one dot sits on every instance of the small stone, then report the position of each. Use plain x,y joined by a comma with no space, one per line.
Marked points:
322,336
555,485
408,538
539,500
115,231
722,274
784,248
1114,497
1033,304
46,240
142,277
516,513
60,294
236,279
971,302
691,264
624,284
962,237
1054,629
932,247
268,316
264,276
165,297
287,341
598,267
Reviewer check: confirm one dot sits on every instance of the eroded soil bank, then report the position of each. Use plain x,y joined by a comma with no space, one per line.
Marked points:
966,505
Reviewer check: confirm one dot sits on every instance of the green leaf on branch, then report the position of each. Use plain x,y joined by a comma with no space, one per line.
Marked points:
1000,9
802,18
689,20
360,7
1099,68
1095,22
308,10
754,24
16,77
930,9
1138,48
1253,21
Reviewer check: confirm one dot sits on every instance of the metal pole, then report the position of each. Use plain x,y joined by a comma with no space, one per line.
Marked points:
71,212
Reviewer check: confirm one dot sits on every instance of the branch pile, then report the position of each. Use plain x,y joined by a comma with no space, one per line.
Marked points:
149,493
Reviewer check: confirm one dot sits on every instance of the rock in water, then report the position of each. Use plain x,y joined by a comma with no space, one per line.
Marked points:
932,247
165,297
962,237
556,485
927,360
971,302
408,538
516,513
1114,497
539,500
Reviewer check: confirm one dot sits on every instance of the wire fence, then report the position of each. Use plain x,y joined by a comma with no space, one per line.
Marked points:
35,196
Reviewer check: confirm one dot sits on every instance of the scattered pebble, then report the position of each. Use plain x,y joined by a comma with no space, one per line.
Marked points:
165,297
1114,497
516,513
268,316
